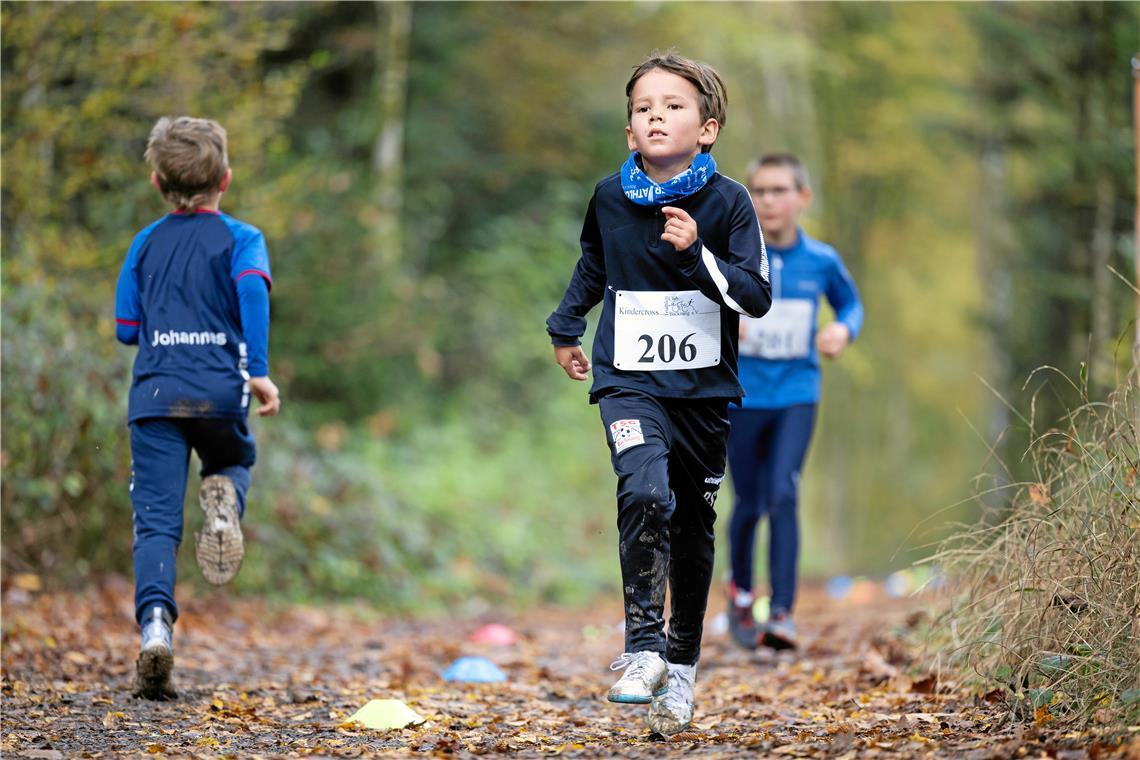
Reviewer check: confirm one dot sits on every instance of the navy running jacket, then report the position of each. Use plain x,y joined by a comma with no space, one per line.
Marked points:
623,256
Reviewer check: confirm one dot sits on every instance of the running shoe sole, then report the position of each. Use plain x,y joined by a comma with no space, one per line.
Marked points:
220,545
153,670
779,643
636,699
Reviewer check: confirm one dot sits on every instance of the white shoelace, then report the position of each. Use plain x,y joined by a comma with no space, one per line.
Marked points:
636,662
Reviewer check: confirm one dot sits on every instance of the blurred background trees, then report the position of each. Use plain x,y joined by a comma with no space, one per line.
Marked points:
421,171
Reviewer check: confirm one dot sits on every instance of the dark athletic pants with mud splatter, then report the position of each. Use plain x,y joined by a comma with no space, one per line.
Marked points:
669,468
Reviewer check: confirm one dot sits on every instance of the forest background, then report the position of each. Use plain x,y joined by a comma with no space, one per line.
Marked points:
421,171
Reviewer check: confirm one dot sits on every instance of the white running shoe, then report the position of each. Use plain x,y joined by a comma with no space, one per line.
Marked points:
156,657
644,678
672,713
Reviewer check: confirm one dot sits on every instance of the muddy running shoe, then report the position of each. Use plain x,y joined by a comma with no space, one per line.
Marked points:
156,657
672,712
779,632
645,677
741,623
220,544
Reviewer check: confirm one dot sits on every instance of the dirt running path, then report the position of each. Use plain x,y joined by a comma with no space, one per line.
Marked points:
258,680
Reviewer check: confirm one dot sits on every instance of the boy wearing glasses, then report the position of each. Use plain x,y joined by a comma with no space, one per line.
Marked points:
779,369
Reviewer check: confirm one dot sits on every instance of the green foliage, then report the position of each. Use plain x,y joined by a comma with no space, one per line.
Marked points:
451,518
65,479
1056,142
414,325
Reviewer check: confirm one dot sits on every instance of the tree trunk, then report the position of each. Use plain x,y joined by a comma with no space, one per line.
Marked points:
1102,354
388,152
1136,232
996,280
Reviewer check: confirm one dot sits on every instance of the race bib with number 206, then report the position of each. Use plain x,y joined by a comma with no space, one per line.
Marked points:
657,330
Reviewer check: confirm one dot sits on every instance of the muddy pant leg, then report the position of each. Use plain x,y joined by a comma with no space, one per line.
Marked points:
696,469
790,441
747,444
638,435
226,447
160,455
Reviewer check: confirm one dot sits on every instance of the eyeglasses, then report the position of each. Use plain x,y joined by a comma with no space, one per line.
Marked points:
778,191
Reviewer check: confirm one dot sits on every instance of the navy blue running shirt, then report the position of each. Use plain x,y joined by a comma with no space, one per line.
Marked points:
178,297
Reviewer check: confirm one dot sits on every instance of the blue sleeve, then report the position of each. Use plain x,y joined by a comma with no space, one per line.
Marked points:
587,286
128,311
844,297
249,268
250,256
253,302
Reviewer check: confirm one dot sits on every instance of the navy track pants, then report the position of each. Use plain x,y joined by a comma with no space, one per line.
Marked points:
669,457
160,457
766,451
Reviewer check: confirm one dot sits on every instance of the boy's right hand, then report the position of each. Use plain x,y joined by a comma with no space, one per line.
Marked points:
680,228
573,360
266,393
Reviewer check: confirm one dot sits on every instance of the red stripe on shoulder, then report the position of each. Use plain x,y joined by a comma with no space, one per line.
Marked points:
259,273
127,322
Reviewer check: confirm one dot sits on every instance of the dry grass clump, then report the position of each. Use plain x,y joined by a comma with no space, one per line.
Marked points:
1045,593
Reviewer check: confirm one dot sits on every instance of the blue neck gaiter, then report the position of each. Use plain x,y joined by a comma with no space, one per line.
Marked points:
643,191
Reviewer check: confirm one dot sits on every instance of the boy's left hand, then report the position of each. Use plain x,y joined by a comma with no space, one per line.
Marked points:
832,339
266,392
680,228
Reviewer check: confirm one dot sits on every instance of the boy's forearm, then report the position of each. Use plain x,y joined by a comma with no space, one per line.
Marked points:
852,319
568,322
127,311
253,302
566,328
564,341
851,313
844,299
741,288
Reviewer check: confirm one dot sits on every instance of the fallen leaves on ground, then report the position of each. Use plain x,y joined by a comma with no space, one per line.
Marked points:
259,679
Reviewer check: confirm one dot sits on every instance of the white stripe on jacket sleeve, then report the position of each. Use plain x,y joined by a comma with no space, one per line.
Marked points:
763,257
719,280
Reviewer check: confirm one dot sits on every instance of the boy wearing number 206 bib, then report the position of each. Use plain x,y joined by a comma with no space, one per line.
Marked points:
673,251
779,368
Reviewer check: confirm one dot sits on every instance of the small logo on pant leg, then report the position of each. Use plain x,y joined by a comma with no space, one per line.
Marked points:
626,434
714,481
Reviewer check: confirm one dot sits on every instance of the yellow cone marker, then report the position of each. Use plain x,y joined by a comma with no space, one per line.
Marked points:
383,714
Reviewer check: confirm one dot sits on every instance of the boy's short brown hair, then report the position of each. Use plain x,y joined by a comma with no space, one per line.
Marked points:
784,161
710,87
189,157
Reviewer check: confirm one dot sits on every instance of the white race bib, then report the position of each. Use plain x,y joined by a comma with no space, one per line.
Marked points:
665,329
783,333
